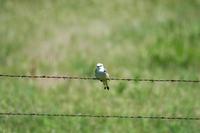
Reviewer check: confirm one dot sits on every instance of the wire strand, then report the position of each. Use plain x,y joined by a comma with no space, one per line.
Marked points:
92,78
100,116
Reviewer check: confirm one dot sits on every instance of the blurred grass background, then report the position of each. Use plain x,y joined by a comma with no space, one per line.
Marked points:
133,38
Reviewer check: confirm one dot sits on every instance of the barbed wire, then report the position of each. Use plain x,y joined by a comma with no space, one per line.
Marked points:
97,116
100,116
92,78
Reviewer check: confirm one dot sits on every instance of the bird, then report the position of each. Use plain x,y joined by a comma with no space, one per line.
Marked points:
102,74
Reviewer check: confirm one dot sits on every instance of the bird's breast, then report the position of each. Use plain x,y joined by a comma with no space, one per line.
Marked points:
100,74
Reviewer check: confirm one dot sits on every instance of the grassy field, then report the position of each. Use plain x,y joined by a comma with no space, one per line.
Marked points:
132,38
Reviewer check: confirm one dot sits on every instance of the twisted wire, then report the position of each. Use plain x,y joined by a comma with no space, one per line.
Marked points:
99,116
92,78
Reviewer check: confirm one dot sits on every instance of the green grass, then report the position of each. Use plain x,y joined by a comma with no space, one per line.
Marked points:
144,39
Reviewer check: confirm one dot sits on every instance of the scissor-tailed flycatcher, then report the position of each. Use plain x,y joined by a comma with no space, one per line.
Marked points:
102,75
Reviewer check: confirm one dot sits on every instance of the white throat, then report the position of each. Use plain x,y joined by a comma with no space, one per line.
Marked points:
100,68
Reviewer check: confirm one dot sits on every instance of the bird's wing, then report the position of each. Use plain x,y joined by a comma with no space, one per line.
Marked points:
96,72
107,76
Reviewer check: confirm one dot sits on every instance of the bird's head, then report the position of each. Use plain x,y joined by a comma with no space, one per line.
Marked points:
99,65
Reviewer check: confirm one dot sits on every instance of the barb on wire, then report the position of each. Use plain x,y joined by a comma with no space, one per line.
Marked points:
100,116
92,78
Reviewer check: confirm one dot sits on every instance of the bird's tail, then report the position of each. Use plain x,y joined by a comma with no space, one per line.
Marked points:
105,83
